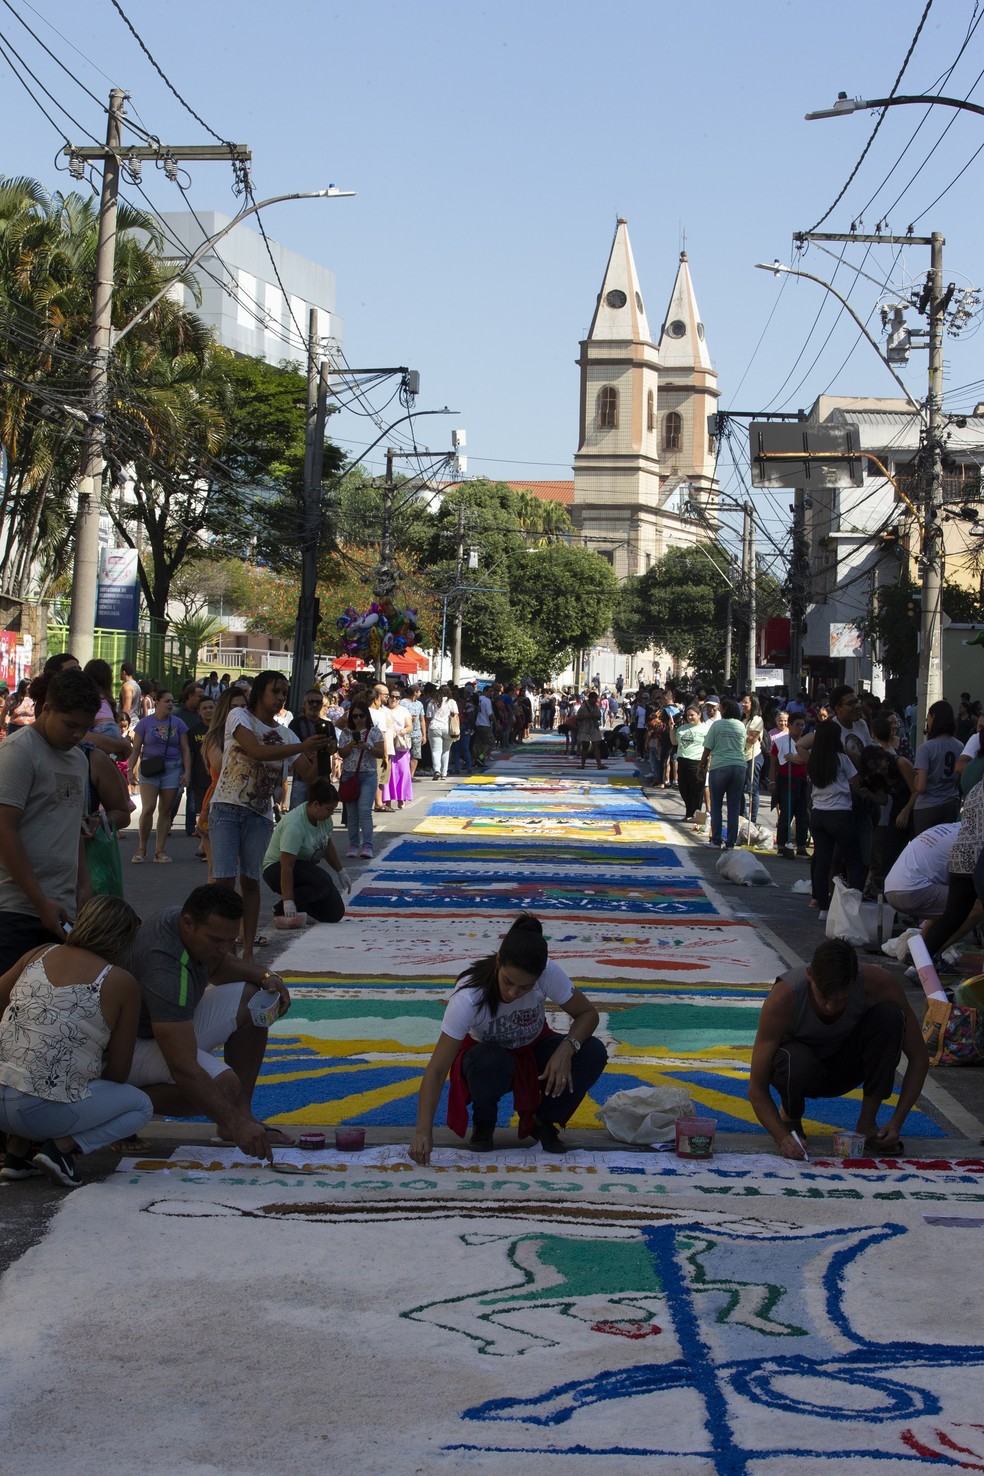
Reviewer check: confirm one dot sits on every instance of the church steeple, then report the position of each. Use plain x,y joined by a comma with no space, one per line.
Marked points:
681,341
688,392
616,469
619,313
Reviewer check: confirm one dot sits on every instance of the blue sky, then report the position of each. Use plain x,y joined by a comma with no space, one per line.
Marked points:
492,147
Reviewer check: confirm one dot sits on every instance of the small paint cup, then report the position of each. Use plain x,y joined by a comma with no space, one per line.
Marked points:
848,1145
265,1007
311,1142
351,1139
695,1137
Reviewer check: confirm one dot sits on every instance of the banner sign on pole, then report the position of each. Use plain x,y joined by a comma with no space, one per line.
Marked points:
118,596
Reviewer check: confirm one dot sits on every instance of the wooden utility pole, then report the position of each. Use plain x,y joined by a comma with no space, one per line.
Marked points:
86,568
458,600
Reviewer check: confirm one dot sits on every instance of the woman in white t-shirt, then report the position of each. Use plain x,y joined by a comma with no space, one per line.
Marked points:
240,813
439,730
835,781
495,1040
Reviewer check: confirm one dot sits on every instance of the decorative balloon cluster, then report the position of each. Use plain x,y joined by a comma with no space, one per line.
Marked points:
382,629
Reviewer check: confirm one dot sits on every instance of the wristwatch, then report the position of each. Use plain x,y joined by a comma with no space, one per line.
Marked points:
573,1042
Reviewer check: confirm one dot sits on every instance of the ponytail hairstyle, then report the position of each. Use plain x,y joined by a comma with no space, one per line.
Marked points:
523,947
824,762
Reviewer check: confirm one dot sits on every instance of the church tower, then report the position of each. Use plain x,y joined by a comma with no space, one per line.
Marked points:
688,392
642,457
616,469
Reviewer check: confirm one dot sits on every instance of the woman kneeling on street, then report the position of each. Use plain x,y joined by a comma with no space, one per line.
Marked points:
66,1043
495,1040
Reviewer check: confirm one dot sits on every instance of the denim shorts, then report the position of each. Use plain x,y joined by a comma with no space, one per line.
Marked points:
239,838
169,779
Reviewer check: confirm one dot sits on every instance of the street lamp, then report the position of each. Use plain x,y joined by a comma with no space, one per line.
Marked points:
102,341
845,105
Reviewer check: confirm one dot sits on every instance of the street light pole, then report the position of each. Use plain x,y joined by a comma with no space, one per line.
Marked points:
845,105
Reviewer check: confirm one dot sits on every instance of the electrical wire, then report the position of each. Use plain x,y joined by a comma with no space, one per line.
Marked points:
881,118
163,75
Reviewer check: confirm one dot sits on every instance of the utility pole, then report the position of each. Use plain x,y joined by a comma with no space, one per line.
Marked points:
727,639
302,673
752,600
935,301
86,574
86,568
931,632
799,571
458,608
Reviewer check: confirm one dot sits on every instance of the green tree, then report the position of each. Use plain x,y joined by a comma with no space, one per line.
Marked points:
894,621
565,598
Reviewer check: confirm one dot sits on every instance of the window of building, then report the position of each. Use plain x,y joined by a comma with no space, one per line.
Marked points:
672,432
651,411
607,408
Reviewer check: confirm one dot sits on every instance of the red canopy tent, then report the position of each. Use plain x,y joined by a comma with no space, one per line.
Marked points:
347,663
409,663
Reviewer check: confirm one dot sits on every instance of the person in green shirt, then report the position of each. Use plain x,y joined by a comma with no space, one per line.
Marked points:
724,750
687,738
291,864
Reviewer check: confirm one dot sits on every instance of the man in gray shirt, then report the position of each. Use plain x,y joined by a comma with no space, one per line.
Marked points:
43,787
195,996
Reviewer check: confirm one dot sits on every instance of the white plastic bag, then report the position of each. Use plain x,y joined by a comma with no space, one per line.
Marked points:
856,921
645,1114
743,869
898,948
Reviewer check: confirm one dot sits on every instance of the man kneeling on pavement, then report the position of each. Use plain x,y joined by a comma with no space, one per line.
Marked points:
825,1029
195,996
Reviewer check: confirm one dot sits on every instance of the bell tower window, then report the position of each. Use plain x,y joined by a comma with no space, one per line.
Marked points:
607,408
673,432
651,411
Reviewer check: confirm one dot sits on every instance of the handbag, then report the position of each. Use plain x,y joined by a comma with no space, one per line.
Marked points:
349,788
454,725
103,860
154,766
954,1033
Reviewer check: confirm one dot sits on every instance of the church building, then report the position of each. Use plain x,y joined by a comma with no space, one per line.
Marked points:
644,469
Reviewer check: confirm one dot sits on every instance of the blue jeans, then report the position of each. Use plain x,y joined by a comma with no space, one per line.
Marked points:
440,742
113,1111
726,783
359,812
239,838
461,752
753,773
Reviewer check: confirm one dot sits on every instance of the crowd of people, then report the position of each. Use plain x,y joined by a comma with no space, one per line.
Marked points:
107,1019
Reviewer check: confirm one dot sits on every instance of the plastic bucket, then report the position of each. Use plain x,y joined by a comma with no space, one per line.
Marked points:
695,1136
971,992
352,1139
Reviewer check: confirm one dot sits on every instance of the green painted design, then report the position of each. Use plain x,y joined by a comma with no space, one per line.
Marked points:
587,1268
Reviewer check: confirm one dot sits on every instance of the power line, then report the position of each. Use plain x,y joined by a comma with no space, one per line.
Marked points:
881,118
162,74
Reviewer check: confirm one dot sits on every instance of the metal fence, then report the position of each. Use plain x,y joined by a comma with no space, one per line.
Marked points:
160,656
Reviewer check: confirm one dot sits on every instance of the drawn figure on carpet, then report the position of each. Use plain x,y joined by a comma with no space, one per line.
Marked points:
495,1040
748,1320
608,1282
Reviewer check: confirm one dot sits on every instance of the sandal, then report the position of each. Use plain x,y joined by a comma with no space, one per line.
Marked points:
161,859
137,857
261,942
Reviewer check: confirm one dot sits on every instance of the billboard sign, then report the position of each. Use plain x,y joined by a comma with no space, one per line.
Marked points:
118,596
800,454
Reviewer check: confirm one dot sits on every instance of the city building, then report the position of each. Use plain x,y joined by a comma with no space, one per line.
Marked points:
242,301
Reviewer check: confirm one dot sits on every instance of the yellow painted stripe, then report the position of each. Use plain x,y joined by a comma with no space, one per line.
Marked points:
343,1109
